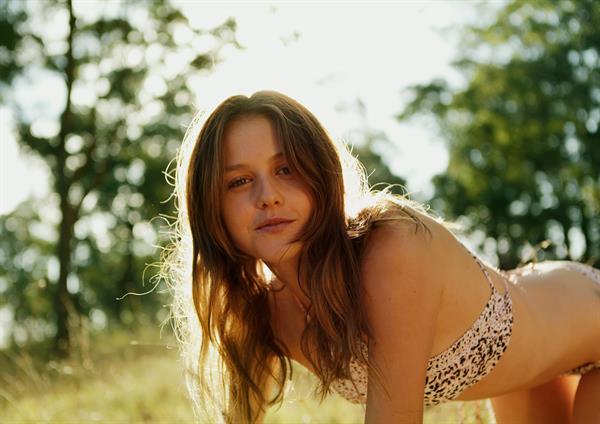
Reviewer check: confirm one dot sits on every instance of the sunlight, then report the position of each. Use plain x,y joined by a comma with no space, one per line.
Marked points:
367,53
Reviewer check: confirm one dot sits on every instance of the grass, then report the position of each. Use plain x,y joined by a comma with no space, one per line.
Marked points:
134,378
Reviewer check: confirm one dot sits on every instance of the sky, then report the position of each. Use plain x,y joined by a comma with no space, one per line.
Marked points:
331,57
335,58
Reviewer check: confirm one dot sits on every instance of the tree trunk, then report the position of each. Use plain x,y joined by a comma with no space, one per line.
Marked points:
63,301
126,283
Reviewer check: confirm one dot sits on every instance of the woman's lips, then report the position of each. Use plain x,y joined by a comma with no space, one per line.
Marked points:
275,228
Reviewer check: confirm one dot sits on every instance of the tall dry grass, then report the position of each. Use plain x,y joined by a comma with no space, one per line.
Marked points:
123,377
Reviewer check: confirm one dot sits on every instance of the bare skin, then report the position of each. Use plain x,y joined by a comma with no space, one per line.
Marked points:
556,326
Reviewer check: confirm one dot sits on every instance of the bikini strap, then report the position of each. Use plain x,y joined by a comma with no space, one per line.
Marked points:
485,271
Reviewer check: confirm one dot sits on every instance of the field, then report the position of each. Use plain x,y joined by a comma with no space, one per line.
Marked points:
125,378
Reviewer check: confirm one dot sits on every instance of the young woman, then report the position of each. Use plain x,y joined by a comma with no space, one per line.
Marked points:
287,254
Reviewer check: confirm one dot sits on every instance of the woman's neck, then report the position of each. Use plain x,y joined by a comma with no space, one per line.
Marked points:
286,277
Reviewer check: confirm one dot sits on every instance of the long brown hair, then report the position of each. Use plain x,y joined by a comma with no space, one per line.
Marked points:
236,349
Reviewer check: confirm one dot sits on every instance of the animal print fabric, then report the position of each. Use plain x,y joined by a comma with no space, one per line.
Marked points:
473,356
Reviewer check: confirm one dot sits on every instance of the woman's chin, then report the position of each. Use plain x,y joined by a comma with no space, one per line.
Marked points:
279,256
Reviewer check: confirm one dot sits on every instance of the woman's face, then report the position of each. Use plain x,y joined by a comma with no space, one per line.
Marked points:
265,206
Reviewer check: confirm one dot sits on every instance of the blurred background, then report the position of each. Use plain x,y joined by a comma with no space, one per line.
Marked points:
486,111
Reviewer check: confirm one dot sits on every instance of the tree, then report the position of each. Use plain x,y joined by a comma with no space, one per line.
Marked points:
379,174
368,145
125,73
523,131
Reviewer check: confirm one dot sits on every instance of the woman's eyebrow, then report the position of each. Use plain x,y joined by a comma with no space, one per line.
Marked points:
273,158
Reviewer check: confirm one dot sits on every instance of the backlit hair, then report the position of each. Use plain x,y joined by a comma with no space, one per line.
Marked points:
220,304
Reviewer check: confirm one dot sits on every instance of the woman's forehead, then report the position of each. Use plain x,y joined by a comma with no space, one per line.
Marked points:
252,137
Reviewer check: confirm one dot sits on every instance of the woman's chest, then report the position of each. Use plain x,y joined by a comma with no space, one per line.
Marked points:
288,323
456,317
472,295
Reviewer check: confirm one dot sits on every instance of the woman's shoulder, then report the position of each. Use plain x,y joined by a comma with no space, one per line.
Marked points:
406,231
403,247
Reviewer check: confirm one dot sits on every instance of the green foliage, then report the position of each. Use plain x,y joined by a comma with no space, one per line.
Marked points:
367,149
24,253
523,130
378,172
127,107
10,41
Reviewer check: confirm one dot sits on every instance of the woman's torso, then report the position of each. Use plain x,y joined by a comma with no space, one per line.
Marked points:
557,328
553,311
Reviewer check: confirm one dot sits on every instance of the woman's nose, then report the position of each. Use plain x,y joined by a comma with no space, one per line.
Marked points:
268,194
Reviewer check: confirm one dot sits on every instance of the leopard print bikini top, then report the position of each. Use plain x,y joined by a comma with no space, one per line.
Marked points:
470,358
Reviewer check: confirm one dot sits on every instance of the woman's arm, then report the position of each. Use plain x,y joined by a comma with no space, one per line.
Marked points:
403,284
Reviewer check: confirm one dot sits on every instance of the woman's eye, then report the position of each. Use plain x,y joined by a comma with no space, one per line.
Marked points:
284,170
238,182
